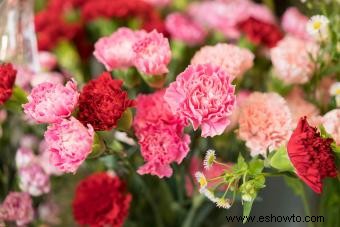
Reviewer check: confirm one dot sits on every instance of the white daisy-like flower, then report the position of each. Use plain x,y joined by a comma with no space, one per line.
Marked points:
209,159
209,194
335,91
201,179
317,27
223,203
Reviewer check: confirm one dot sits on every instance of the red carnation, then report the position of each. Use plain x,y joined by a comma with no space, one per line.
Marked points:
101,200
261,32
102,103
7,79
311,155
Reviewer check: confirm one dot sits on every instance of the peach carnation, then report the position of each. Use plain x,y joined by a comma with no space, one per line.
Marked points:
331,122
182,28
152,54
265,122
234,60
204,96
299,107
291,60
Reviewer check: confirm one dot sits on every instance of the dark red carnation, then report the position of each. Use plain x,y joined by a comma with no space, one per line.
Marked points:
7,79
102,102
101,200
261,32
311,155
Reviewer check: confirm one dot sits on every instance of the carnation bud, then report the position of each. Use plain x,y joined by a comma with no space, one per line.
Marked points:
98,147
154,81
125,122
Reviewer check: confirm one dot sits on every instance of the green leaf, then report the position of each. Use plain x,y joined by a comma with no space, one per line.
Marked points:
69,59
256,166
246,210
259,182
335,148
241,166
280,160
125,122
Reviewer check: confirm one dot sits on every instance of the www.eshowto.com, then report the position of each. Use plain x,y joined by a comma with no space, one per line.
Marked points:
276,218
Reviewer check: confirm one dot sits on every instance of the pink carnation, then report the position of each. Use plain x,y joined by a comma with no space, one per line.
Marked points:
50,77
69,142
34,180
291,60
234,60
203,95
152,54
47,60
115,51
17,207
153,110
182,28
331,122
295,23
265,122
49,103
222,16
45,161
299,107
160,146
24,157
261,12
160,135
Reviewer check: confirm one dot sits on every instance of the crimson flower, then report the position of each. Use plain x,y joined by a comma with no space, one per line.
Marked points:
101,200
311,155
7,79
102,103
261,32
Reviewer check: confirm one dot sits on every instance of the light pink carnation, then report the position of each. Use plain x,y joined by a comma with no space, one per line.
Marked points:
158,3
299,107
222,16
29,141
24,157
160,146
17,207
47,60
203,95
291,60
182,28
153,54
265,122
115,51
69,142
260,12
44,160
24,77
331,122
50,77
34,180
49,103
234,60
160,134
295,23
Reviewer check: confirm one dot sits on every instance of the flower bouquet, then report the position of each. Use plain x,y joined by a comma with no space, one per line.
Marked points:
166,112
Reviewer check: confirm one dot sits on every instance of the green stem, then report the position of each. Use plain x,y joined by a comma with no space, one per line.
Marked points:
306,205
197,202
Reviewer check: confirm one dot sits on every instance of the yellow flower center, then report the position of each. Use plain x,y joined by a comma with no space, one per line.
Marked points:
203,182
337,91
317,25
